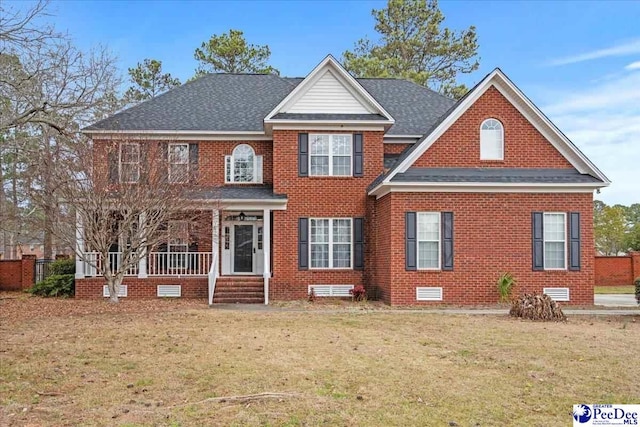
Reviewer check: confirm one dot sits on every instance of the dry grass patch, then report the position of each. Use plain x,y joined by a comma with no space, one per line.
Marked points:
188,366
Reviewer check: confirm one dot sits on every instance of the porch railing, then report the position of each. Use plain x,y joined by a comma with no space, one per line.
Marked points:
158,263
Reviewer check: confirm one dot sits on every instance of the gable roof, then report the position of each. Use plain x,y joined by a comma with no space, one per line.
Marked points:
515,96
238,103
351,90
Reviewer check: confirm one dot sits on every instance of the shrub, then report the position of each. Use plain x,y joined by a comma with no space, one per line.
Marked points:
57,285
62,266
312,295
358,293
637,282
505,283
536,307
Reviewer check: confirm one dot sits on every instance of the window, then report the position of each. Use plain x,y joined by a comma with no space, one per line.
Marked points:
330,243
428,240
243,165
129,162
178,243
491,140
330,155
178,163
554,227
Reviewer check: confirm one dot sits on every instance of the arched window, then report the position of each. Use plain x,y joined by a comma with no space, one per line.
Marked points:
491,140
243,165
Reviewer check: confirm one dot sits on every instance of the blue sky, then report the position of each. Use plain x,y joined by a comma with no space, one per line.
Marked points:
578,61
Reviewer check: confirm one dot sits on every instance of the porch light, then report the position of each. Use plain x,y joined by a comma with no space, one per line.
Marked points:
242,216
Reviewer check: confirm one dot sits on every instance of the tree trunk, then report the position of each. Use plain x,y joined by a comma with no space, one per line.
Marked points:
114,283
48,195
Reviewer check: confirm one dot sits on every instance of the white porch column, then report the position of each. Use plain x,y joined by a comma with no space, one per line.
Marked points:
215,240
79,246
266,250
142,262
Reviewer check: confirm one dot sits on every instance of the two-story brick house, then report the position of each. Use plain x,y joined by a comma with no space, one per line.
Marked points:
328,182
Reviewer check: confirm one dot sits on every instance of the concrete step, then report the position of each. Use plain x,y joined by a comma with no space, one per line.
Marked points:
243,300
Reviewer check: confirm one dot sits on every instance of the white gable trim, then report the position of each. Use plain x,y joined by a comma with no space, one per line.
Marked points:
351,84
500,81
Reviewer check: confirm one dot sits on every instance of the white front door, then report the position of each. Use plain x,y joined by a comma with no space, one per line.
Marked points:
242,248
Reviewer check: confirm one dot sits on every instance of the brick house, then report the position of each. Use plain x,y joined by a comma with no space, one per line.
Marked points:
329,182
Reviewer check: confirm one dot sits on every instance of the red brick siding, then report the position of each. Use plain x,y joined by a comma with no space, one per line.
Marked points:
314,197
617,270
524,146
492,234
196,287
395,148
11,275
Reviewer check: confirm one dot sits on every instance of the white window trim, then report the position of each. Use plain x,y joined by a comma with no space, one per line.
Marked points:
331,267
544,242
186,178
258,166
330,154
502,137
439,267
120,163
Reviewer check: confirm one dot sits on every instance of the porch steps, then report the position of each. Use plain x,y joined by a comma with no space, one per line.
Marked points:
240,290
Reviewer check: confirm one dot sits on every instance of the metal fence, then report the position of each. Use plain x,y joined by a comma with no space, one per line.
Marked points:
43,269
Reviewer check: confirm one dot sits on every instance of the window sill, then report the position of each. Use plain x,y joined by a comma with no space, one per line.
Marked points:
330,176
492,160
315,269
244,183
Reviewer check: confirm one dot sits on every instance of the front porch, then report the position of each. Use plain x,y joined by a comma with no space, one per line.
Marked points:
229,262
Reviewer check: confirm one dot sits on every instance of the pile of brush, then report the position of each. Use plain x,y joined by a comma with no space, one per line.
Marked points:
537,307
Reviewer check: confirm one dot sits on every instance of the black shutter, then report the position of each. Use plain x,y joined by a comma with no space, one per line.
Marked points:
193,163
574,241
537,233
358,243
447,240
303,154
303,243
113,161
411,242
358,155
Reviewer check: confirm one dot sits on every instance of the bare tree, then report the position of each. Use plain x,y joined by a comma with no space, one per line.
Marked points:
129,202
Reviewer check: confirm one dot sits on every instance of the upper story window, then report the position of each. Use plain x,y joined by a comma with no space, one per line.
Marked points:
129,162
178,163
330,155
491,140
243,166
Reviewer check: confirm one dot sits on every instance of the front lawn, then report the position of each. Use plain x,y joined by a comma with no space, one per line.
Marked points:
614,289
179,363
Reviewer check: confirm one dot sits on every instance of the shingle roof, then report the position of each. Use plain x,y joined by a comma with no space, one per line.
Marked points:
240,102
252,192
495,175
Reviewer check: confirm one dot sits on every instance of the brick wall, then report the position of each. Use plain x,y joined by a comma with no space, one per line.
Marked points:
395,148
524,146
192,287
492,234
314,197
617,270
17,274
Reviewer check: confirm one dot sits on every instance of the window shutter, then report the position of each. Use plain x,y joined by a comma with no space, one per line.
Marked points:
358,243
144,163
537,234
193,163
574,241
411,243
113,161
303,154
303,243
358,155
164,156
447,240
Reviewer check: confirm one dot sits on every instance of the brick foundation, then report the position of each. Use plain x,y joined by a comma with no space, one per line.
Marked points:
192,287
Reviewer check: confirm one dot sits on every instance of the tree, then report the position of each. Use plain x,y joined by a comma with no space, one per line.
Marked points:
132,216
610,228
230,53
413,45
148,81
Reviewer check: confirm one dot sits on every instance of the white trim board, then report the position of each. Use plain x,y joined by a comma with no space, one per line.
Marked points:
351,84
502,83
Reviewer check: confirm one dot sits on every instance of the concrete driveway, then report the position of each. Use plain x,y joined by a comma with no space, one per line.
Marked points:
615,300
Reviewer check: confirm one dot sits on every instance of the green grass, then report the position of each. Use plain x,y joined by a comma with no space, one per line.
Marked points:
614,289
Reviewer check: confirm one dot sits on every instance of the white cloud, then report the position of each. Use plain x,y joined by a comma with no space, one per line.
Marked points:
623,49
633,66
603,120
